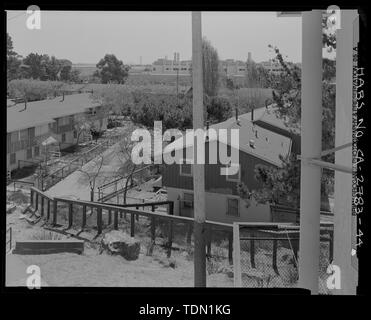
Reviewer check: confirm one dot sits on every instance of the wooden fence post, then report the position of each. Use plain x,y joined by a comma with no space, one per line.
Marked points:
208,239
37,202
230,247
99,220
70,212
132,225
170,240
115,220
83,223
55,208
31,197
109,217
48,211
189,233
274,257
42,206
252,251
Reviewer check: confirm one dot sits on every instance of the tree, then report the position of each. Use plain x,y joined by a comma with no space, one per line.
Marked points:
219,109
257,76
110,69
33,90
124,150
37,64
92,172
280,183
210,63
13,60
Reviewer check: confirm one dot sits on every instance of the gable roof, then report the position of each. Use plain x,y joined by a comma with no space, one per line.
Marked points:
45,111
269,115
268,145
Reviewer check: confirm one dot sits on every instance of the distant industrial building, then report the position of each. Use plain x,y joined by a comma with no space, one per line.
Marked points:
175,66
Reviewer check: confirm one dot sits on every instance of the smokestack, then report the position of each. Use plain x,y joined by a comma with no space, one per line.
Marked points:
174,56
178,57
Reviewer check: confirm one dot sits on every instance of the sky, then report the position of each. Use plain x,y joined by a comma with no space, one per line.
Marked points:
85,37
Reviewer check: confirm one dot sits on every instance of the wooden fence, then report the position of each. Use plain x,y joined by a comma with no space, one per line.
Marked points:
113,186
47,207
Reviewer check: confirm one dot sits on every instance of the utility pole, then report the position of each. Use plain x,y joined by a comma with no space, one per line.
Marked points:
198,169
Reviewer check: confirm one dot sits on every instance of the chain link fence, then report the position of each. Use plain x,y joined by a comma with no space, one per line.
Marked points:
269,258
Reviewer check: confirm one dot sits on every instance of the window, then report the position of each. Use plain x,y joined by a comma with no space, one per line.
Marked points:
29,153
12,158
188,200
63,137
37,151
235,177
186,169
233,207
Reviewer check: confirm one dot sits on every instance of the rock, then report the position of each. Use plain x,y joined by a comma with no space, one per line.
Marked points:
118,242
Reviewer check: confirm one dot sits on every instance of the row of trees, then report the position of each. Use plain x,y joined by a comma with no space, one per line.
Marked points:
38,66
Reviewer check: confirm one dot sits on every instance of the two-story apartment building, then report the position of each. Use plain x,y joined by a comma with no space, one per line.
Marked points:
29,124
262,139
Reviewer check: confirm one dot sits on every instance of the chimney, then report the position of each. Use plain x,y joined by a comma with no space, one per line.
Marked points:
252,114
178,57
249,60
252,144
236,114
174,57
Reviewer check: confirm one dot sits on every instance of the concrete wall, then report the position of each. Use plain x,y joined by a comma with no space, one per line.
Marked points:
216,207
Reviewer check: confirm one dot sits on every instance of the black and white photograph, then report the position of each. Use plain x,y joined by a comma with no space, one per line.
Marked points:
218,149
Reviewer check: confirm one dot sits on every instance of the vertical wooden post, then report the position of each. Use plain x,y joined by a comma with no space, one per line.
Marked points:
208,241
99,220
230,247
252,251
37,201
189,233
198,169
83,223
115,220
109,217
311,147
153,226
42,206
132,225
31,197
274,257
70,213
170,235
55,209
48,212
347,38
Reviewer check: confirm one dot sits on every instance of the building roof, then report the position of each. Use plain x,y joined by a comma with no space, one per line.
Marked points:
268,145
269,115
45,111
